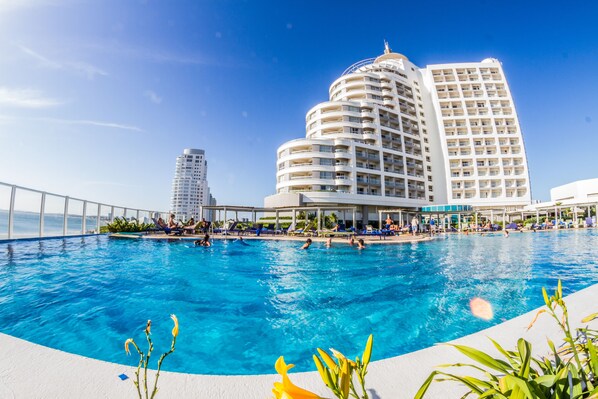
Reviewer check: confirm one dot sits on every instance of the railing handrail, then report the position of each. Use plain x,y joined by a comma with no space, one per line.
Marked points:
65,214
75,198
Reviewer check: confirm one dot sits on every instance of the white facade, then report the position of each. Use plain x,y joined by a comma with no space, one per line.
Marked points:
579,191
190,188
395,135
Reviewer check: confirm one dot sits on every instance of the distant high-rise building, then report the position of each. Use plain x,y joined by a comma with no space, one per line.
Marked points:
396,135
190,188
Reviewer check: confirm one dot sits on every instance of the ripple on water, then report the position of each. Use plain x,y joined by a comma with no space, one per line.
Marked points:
241,306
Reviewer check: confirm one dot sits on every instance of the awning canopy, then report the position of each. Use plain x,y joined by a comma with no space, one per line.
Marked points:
447,209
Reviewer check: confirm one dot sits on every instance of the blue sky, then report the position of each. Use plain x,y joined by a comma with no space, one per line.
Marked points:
98,98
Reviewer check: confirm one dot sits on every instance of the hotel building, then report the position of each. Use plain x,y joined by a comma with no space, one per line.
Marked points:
394,135
190,188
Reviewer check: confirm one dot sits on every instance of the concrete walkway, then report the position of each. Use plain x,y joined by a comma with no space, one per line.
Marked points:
29,371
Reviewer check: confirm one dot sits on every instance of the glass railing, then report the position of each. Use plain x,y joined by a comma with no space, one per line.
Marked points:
30,213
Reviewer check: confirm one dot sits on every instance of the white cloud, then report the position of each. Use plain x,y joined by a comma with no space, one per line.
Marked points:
153,97
88,70
158,55
93,123
78,67
84,122
26,98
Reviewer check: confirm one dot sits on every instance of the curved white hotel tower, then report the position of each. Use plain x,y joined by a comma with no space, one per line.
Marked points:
190,185
396,135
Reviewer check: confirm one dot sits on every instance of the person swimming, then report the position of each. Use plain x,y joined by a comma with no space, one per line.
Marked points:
360,244
241,241
205,242
351,240
307,244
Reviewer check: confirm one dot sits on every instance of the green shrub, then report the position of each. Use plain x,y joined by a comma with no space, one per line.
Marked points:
119,225
569,372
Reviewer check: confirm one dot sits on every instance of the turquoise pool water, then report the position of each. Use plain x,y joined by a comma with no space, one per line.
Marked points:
241,306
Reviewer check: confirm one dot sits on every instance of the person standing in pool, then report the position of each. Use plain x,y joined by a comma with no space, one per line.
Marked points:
329,242
205,242
351,240
360,244
307,244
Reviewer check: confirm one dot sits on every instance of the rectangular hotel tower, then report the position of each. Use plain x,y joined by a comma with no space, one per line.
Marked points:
395,135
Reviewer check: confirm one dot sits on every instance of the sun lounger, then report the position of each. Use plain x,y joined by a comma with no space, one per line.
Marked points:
176,230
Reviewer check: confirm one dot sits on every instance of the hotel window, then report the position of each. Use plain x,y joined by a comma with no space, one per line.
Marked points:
353,109
354,119
326,175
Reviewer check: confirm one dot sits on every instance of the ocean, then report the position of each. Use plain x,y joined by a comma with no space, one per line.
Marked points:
26,224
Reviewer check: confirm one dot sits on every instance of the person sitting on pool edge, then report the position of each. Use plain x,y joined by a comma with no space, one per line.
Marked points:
307,244
205,242
360,244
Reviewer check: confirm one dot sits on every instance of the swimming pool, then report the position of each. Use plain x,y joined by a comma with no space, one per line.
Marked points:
241,306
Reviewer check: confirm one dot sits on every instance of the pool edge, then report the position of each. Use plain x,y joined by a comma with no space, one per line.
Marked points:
32,370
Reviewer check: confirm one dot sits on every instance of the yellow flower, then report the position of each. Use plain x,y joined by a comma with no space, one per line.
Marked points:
148,327
175,330
286,389
127,342
367,353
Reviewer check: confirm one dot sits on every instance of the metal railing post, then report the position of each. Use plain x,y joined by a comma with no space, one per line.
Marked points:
111,214
98,224
65,216
11,211
42,212
83,222
137,215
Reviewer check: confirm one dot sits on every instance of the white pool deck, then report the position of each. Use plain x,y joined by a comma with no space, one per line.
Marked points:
29,370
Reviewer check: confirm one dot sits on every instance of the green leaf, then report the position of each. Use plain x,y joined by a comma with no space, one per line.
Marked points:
521,384
492,393
546,380
476,386
557,359
593,358
525,352
424,388
483,358
503,351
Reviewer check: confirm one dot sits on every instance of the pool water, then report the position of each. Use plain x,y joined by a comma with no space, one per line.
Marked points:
241,306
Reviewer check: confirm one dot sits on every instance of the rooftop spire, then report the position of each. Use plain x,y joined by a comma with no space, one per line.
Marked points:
387,49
